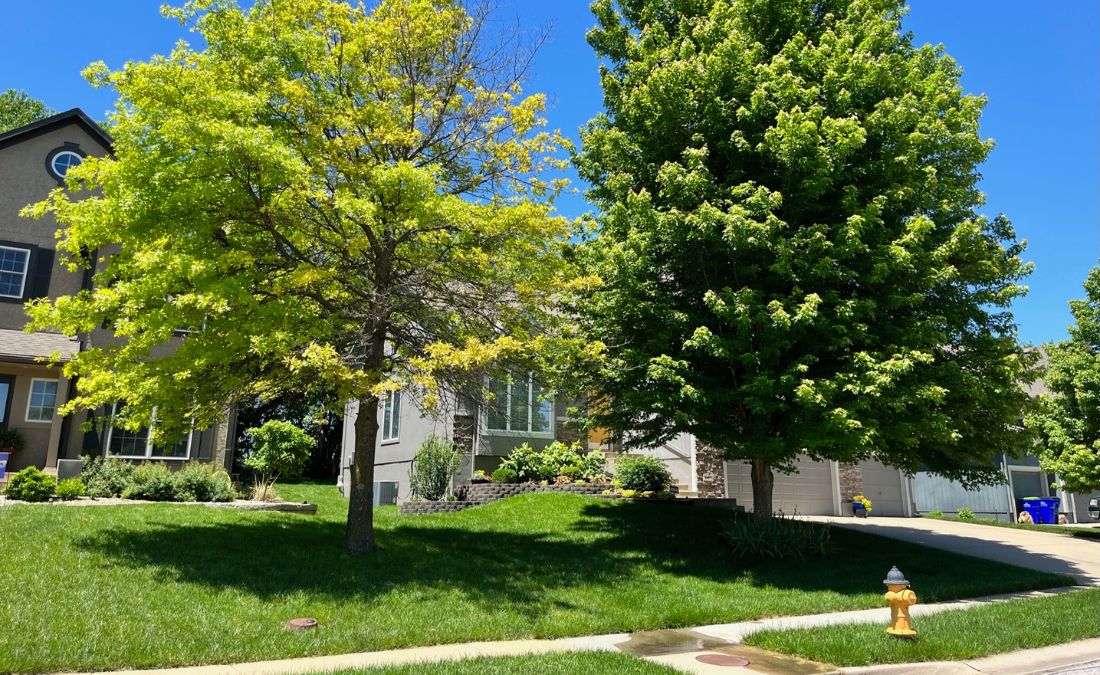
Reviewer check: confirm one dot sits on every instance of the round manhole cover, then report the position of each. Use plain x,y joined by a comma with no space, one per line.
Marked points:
301,624
722,660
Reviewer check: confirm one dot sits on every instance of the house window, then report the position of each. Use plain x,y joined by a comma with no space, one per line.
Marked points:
139,444
43,401
519,405
63,161
13,271
391,416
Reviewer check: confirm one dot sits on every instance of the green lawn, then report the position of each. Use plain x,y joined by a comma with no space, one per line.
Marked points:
171,585
1068,531
579,663
949,636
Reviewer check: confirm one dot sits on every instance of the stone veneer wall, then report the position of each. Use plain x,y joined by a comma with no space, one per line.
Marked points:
462,433
710,471
851,484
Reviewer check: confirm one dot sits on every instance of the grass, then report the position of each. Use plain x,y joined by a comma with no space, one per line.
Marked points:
577,663
1064,530
158,585
948,636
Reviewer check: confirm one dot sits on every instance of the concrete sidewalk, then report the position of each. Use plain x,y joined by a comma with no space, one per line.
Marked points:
1044,551
1079,658
677,648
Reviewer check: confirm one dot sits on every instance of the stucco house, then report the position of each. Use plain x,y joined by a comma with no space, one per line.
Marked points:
33,161
486,433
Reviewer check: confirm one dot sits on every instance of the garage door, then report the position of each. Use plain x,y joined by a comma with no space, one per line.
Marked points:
882,485
808,492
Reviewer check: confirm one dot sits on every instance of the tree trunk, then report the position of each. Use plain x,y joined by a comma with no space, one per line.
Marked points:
360,533
762,482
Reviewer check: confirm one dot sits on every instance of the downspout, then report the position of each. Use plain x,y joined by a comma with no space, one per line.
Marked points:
1011,492
834,471
693,484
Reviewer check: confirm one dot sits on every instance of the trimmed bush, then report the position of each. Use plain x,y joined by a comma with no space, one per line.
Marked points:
104,478
69,489
505,476
432,468
777,538
152,481
31,485
197,482
642,473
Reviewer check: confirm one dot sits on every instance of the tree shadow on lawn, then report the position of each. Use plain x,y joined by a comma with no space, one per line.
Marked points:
530,572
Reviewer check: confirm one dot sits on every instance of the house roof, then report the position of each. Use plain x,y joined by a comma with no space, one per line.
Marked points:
15,345
53,122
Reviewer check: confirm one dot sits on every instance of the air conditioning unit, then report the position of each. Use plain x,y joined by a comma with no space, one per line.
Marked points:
68,468
385,493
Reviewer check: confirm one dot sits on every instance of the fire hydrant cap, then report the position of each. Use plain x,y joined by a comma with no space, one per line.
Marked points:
894,576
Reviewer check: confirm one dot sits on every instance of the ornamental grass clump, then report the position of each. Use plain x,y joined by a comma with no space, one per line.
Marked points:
777,538
432,468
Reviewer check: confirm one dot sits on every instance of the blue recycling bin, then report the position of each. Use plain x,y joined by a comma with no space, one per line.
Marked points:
4,456
1042,511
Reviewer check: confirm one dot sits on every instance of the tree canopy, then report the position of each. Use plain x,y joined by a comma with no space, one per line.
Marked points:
1067,418
17,108
327,196
790,240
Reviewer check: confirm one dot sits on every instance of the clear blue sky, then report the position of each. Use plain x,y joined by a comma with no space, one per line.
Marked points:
1036,61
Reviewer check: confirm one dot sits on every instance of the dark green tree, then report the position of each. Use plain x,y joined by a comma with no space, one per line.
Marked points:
17,109
789,239
1068,418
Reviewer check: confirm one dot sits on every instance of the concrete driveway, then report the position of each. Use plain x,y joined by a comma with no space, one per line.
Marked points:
1079,558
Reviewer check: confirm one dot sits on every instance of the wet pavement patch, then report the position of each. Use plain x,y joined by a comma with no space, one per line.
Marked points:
664,642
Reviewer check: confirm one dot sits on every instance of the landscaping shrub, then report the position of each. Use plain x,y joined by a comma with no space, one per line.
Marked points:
31,485
152,481
556,459
432,468
776,538
966,513
642,473
104,478
935,514
505,476
70,489
197,482
279,449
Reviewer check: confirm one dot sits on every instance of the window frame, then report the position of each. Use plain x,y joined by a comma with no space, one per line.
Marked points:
26,272
148,456
533,403
30,398
391,430
64,152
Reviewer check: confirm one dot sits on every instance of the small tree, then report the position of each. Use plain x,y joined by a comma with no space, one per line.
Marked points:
1068,418
278,449
434,464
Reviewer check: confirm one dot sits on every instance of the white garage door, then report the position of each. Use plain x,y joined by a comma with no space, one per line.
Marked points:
882,485
808,492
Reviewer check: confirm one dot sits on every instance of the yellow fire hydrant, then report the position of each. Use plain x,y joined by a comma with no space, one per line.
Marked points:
900,598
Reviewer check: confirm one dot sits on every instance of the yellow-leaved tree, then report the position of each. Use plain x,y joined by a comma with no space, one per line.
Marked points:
327,195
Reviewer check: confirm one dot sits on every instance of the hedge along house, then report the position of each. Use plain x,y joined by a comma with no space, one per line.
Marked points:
33,161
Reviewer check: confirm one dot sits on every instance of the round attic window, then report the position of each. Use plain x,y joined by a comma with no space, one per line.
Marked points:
63,161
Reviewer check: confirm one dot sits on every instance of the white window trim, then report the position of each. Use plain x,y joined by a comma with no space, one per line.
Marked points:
30,394
531,402
64,153
26,271
389,398
148,443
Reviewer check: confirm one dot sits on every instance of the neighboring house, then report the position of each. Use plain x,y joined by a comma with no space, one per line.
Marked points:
33,161
487,433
